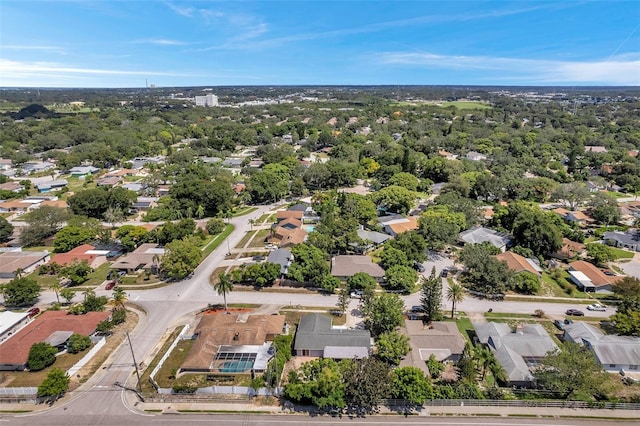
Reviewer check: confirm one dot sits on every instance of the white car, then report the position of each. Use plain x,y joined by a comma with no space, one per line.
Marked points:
596,307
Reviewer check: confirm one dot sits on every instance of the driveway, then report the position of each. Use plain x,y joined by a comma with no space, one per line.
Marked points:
632,267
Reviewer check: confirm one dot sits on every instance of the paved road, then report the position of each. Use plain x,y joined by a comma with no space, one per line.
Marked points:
127,418
167,307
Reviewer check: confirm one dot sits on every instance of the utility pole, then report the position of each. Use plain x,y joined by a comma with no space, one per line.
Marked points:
135,364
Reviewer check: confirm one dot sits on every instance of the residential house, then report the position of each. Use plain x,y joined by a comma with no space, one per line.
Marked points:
447,155
569,250
441,339
11,186
518,263
32,167
86,252
5,164
27,261
51,326
577,217
108,181
629,240
517,352
395,225
316,337
135,187
16,206
475,156
145,203
372,239
11,322
614,353
346,266
590,278
479,235
233,344
122,173
52,185
288,229
81,171
282,257
147,257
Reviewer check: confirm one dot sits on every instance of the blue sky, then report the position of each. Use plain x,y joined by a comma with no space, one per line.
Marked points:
113,43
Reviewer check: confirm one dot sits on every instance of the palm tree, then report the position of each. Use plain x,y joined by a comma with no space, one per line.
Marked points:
56,287
88,293
200,211
155,260
119,297
251,222
455,295
483,357
224,286
113,276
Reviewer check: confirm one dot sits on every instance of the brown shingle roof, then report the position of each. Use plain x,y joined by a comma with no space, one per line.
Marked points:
285,214
349,265
15,350
595,274
516,263
219,329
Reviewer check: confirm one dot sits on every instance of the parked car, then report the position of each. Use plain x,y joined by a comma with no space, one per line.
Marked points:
444,273
418,267
597,307
33,312
559,324
417,308
357,294
258,258
110,285
575,312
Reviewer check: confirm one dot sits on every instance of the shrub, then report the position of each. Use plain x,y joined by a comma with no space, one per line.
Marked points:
118,316
78,343
41,355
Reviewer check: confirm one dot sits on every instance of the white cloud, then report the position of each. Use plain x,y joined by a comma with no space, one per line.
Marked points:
182,11
12,68
46,48
159,41
617,71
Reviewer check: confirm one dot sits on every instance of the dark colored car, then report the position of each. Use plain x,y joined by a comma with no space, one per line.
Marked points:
417,308
559,324
258,258
574,312
418,267
110,285
445,273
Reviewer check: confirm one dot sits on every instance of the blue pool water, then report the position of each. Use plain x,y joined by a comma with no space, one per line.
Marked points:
236,366
309,228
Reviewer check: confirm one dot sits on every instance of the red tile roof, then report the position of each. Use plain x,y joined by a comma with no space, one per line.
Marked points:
77,254
15,350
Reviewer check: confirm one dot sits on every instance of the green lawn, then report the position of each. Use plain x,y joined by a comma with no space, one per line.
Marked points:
465,105
217,240
258,240
465,327
245,239
244,211
621,254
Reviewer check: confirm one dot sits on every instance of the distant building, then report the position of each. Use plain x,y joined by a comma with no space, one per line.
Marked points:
316,337
209,100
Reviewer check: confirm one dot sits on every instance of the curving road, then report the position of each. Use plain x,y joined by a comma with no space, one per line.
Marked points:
173,305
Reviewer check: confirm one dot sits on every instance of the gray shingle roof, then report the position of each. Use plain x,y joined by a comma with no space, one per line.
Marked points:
315,333
480,235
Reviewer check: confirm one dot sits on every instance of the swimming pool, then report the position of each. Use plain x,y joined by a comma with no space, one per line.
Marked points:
236,366
309,228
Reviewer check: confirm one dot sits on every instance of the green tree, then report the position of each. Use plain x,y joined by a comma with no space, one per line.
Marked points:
181,258
67,294
604,209
93,303
78,343
270,184
526,283
455,294
119,297
571,194
382,312
360,281
131,236
223,287
21,291
410,384
6,229
215,226
367,382
308,264
431,297
573,372
627,317
440,226
343,300
318,382
391,347
434,366
392,256
412,244
485,273
54,385
402,278
395,199
56,287
42,223
41,355
405,180
601,254
77,272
